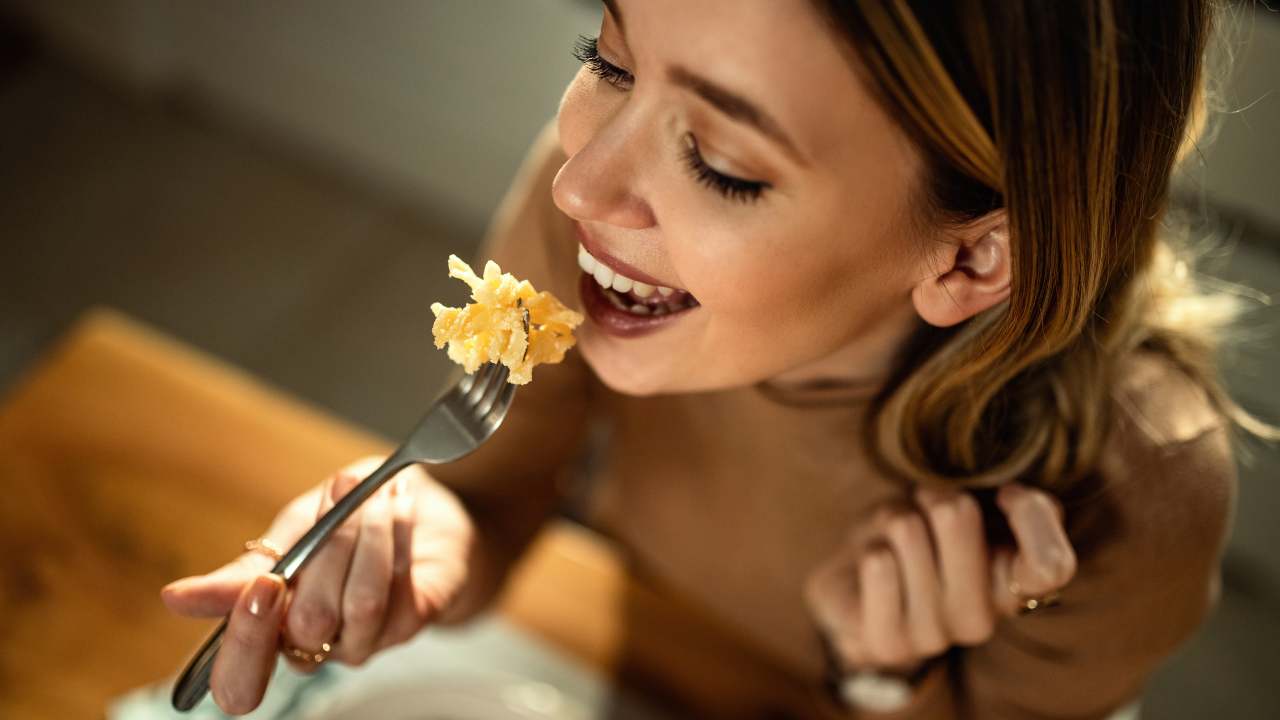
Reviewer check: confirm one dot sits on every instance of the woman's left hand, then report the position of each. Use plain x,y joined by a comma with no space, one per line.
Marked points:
926,580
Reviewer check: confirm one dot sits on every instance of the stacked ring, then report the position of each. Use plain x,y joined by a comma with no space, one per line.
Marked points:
305,656
266,547
1028,604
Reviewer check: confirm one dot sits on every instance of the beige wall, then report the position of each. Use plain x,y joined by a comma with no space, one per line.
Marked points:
437,99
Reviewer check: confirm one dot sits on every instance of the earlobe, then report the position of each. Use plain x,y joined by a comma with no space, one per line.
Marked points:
971,276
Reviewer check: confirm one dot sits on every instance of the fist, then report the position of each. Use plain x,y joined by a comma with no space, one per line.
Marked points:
924,579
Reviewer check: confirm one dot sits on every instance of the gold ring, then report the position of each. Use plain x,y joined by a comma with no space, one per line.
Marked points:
303,655
266,547
1028,604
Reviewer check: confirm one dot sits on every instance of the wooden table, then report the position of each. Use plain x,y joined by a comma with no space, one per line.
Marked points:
128,460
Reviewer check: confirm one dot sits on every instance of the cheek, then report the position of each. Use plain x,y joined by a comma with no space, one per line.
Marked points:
809,285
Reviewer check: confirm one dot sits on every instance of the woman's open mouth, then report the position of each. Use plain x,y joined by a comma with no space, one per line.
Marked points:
622,305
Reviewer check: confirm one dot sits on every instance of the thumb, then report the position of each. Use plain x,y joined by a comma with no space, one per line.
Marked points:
214,594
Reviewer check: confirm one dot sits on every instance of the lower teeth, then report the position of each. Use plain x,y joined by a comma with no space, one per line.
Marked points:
616,299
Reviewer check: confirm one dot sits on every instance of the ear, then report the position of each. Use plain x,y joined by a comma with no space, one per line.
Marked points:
967,273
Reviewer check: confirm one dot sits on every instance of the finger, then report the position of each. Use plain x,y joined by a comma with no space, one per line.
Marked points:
403,618
831,591
247,657
1004,599
955,521
909,539
364,600
1045,561
314,612
832,596
881,591
213,594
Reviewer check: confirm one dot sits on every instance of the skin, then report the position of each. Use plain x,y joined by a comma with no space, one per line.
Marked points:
821,278
827,272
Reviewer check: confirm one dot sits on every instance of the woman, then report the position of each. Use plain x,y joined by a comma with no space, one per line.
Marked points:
848,267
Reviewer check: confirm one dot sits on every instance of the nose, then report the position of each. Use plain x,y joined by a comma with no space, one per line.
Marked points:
598,183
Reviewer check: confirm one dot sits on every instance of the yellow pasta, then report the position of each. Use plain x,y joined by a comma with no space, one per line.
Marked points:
508,322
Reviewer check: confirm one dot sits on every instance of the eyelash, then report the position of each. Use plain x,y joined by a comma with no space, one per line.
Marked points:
587,52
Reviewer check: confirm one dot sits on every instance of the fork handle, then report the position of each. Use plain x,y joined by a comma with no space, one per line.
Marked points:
193,683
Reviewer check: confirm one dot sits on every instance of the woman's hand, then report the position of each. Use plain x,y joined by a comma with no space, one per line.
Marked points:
926,580
391,568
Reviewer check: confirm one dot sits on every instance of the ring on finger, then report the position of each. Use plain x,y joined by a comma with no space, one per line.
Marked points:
307,656
1030,603
266,547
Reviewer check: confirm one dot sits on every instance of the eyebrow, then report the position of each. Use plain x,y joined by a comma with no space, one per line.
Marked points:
614,11
733,105
728,102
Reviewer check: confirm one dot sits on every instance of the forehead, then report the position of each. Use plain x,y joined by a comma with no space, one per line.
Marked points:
780,54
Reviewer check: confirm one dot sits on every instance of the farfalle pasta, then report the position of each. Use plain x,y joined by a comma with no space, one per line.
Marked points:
508,322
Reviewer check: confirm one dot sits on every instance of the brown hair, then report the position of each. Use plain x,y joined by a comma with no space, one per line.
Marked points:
1071,116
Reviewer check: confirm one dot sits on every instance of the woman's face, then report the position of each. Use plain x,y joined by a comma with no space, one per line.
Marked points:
727,150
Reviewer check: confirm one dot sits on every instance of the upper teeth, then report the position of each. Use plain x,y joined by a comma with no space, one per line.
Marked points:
607,277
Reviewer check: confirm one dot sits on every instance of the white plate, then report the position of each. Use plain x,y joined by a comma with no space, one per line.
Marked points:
480,698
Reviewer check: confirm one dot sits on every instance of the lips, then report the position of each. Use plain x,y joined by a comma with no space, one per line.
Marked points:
598,251
621,299
604,310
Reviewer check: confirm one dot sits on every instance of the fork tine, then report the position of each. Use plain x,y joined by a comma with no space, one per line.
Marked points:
484,376
504,400
465,383
492,393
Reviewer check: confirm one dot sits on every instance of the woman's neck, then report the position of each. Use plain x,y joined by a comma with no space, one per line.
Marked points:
866,360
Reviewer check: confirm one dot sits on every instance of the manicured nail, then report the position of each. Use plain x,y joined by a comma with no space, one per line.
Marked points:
402,506
263,594
343,485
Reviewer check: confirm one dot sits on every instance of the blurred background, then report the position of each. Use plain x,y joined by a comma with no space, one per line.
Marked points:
279,183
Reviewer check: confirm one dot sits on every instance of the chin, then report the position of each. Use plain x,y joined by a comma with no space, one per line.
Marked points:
625,371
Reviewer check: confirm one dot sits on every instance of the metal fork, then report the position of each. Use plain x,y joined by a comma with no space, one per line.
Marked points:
460,421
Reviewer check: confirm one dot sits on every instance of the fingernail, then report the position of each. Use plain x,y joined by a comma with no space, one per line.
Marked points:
403,506
342,485
380,500
263,594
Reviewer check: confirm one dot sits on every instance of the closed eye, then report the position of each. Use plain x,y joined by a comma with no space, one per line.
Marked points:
587,51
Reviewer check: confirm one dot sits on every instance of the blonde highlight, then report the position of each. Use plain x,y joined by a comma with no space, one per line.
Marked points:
1052,124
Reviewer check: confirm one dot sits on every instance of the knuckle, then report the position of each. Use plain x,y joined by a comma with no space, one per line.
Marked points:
931,644
973,630
366,608
967,510
311,618
895,653
1055,568
1041,501
906,528
928,638
243,635
945,514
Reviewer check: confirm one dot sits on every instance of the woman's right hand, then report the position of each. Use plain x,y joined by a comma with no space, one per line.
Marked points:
394,566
